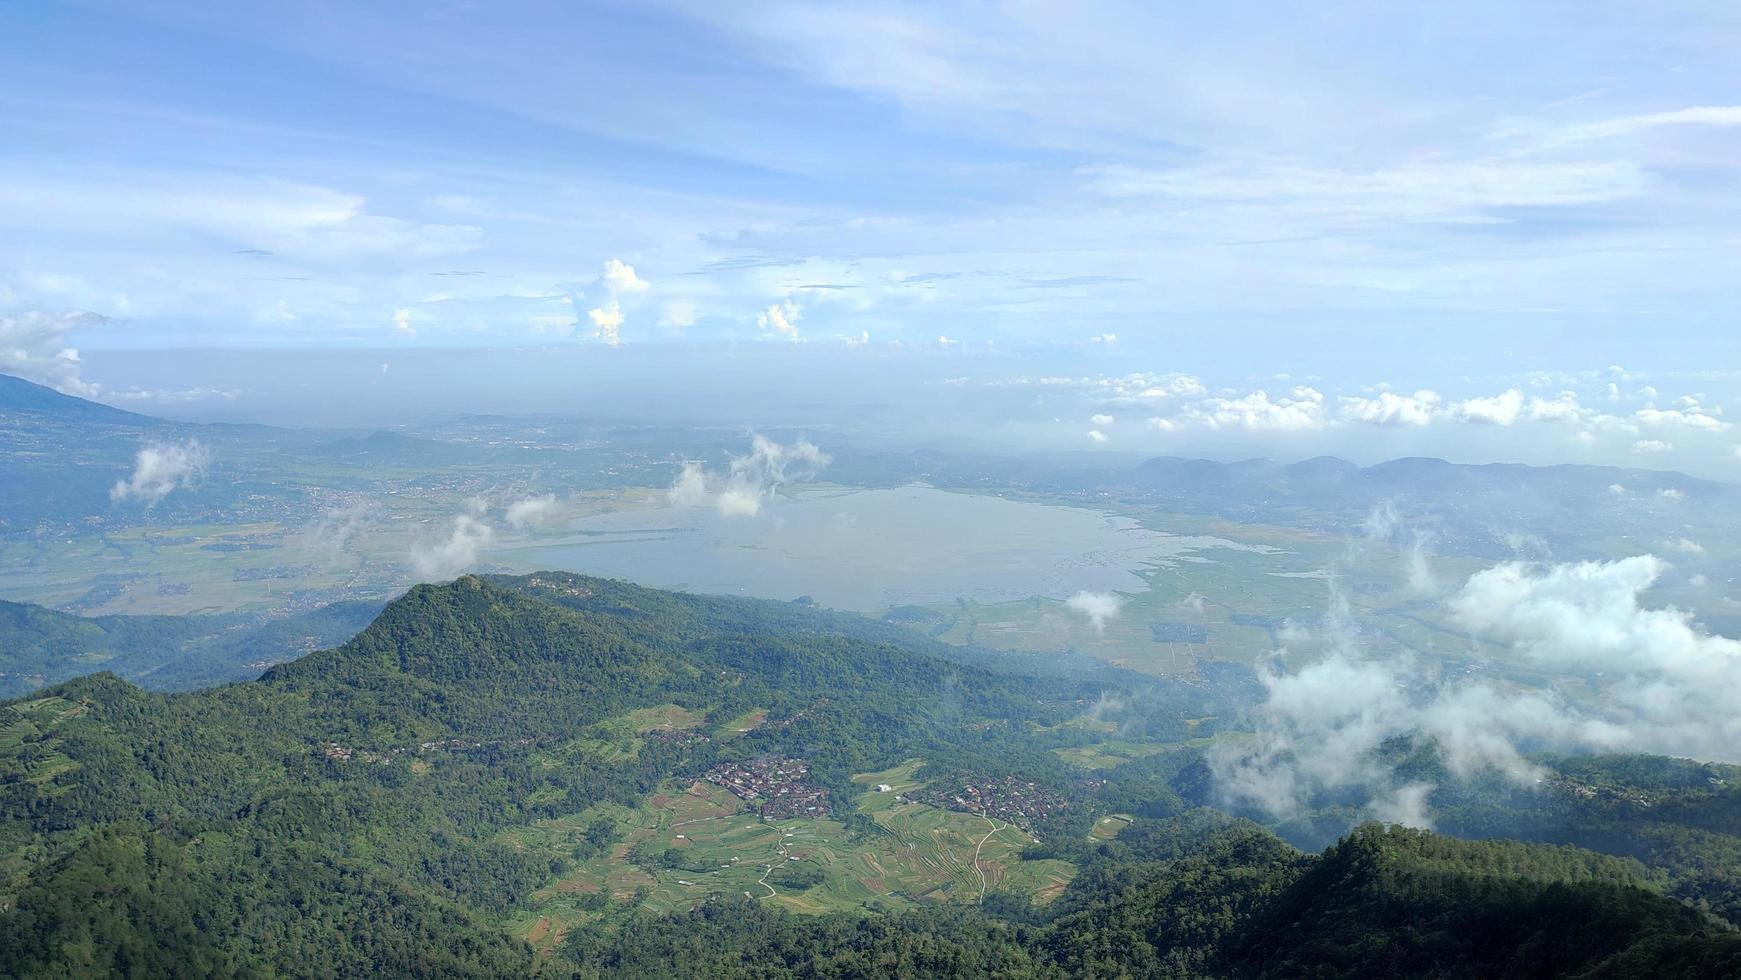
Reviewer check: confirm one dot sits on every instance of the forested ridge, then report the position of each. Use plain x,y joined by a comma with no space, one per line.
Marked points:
344,815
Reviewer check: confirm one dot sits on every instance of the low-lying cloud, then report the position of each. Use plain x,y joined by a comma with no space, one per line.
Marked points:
1099,608
160,469
749,480
533,512
337,527
445,557
1673,687
1658,684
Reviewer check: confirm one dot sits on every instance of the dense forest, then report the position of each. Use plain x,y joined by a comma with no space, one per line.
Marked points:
345,814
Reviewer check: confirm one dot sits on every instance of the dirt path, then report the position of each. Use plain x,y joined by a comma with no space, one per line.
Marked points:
980,846
779,855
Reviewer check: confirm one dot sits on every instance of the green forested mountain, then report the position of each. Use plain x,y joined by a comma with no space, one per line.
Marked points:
393,806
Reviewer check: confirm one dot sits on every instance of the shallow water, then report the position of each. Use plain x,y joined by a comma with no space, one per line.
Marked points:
869,549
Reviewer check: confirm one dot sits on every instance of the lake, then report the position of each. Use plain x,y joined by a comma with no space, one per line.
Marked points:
867,549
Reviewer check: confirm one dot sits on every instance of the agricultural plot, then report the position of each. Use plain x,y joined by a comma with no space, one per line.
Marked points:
31,724
1109,754
743,724
663,717
1106,828
687,843
620,739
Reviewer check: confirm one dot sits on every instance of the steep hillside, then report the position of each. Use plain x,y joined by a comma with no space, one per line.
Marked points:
18,396
392,764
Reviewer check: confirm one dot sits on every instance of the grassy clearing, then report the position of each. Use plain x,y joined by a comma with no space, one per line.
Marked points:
743,724
1107,755
1106,828
665,716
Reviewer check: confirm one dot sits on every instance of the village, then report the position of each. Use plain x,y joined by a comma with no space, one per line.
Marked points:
1006,798
775,784
336,752
676,736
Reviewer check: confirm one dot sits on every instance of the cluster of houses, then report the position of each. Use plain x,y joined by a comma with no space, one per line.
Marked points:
794,719
676,736
774,784
1006,798
462,744
344,753
563,587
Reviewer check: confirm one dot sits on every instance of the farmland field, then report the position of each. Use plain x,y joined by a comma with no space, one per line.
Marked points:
688,842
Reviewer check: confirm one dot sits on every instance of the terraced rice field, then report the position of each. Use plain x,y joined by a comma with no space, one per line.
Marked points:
705,843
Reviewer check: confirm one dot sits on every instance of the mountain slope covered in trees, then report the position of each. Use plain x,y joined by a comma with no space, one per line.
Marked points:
364,810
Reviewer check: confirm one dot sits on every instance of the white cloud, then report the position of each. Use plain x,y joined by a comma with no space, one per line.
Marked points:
1720,115
1669,685
1301,409
1390,408
1651,446
607,323
299,222
690,487
1100,421
1658,684
402,322
739,501
1691,418
443,558
1501,409
337,527
1427,192
34,345
781,318
1322,726
1096,436
749,480
531,512
619,277
161,468
1100,608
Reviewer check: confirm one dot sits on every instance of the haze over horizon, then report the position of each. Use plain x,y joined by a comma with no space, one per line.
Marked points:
1350,229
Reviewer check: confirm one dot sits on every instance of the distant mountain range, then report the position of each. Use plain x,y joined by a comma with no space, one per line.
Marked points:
66,451
1323,476
1493,510
41,646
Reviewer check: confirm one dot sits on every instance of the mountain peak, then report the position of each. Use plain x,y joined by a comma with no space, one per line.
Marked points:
470,629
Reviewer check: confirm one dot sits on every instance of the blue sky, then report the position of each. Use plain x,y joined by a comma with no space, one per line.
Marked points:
1455,199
